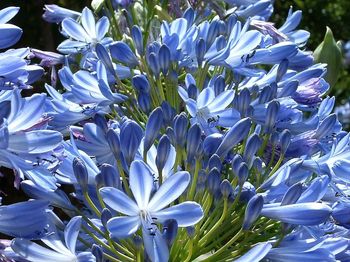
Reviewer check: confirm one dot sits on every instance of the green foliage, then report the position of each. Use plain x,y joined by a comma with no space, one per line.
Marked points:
330,53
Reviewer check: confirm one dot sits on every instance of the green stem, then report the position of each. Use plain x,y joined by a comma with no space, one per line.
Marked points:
194,180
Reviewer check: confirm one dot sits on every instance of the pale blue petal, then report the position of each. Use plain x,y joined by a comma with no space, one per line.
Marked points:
186,214
71,233
74,30
8,13
33,252
122,227
102,27
256,253
222,101
169,191
141,183
88,22
205,97
119,201
155,245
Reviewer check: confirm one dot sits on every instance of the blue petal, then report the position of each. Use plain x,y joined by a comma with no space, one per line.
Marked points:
256,253
102,27
8,13
34,142
10,34
34,252
71,233
221,101
141,183
186,214
169,191
306,214
205,97
74,30
122,227
155,245
119,201
88,22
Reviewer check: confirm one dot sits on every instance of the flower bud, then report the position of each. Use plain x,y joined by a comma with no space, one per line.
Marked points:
105,216
235,135
219,85
226,188
163,151
171,135
153,64
271,115
97,252
153,126
123,53
213,180
108,177
144,101
81,173
292,195
164,58
141,84
170,228
130,139
193,141
252,211
211,143
215,161
114,142
252,146
180,129
200,50
285,141
236,162
168,113
136,35
242,173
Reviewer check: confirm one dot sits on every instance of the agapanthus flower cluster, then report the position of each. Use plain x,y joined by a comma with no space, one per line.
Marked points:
175,132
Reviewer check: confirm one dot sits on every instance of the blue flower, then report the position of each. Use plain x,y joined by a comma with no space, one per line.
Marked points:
9,34
148,210
85,36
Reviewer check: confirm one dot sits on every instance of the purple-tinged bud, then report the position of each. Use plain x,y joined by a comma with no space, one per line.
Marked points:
289,89
141,84
211,143
171,135
137,38
192,91
266,95
48,59
285,141
292,195
213,180
189,15
168,113
226,188
105,58
191,231
137,241
252,211
193,141
326,127
153,126
164,59
170,228
219,85
108,177
97,252
130,139
271,115
201,48
123,53
235,135
242,173
236,162
215,161
258,164
247,192
282,69
221,27
105,216
144,102
221,43
101,122
199,152
212,33
231,22
113,140
153,64
180,129
163,151
252,146
55,14
81,173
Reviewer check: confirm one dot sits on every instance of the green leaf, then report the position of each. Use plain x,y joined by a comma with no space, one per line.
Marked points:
97,5
329,52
